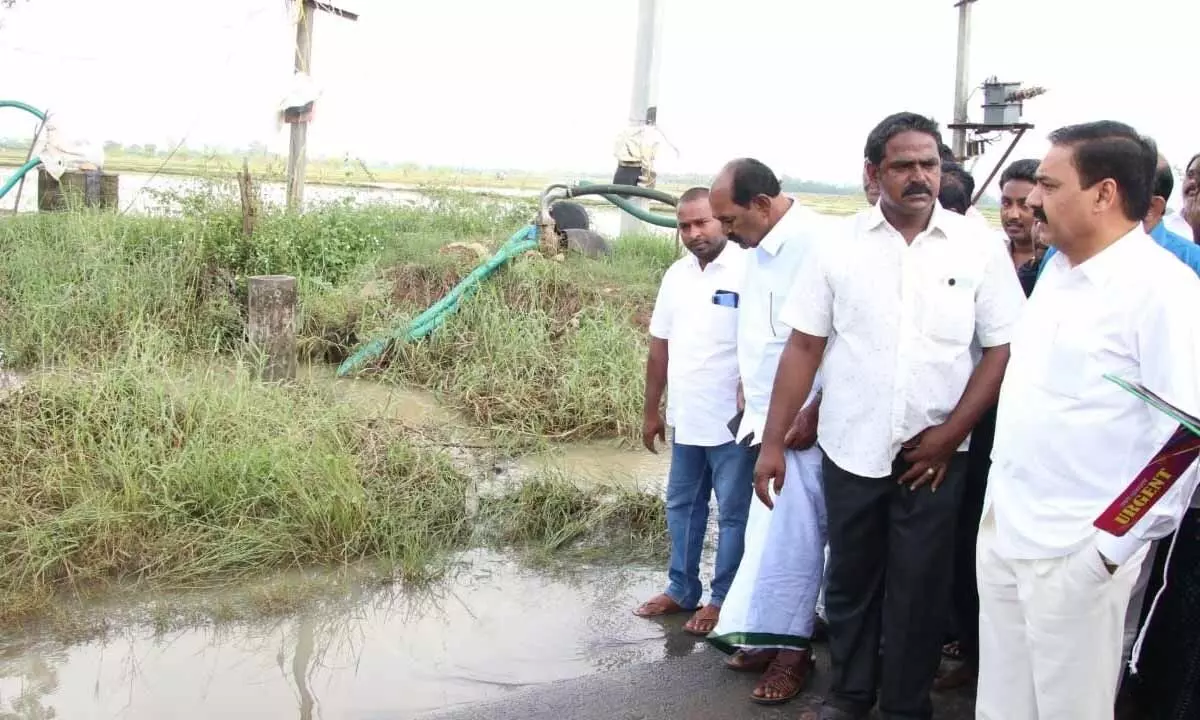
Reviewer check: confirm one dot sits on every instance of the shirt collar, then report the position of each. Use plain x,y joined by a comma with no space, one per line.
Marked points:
1108,262
937,221
721,260
778,235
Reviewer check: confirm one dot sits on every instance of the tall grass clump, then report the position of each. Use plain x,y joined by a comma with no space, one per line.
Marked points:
545,349
130,470
549,516
77,285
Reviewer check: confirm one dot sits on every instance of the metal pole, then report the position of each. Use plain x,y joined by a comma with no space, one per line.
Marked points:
298,148
1012,146
645,82
961,77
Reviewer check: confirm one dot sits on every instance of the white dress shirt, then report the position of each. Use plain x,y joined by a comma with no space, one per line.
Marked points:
770,279
1176,224
906,318
1068,442
702,364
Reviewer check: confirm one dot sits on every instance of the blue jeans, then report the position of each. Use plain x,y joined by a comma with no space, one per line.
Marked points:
695,473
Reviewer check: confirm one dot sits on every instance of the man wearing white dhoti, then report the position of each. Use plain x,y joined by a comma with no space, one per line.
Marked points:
767,619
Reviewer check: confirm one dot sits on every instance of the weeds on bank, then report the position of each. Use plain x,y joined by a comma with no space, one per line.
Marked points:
551,517
132,472
138,451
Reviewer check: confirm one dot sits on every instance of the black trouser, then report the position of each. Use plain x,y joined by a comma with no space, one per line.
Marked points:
891,554
627,174
1167,685
966,589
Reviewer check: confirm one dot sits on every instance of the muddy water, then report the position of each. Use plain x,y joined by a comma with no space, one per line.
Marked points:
493,626
474,638
586,463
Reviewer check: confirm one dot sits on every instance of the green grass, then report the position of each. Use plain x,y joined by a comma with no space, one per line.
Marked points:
141,451
551,518
131,469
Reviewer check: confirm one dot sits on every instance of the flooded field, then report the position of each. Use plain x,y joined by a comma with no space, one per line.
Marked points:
140,194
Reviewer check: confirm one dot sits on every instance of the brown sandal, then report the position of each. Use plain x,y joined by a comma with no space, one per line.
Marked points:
704,621
751,660
660,605
785,678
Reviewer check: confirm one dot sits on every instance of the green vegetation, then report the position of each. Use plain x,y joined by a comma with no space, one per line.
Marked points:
547,517
141,450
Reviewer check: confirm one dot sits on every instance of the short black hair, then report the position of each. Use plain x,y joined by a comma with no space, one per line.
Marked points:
893,125
1164,182
1110,149
696,193
946,153
750,179
1020,170
958,187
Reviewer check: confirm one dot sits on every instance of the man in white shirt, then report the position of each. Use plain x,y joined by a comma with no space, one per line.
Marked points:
911,292
693,354
1053,588
769,619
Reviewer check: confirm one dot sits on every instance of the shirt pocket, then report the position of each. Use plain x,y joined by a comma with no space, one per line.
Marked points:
1067,367
948,314
722,322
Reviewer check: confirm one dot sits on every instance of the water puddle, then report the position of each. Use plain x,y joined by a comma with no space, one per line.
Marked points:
588,464
490,628
600,463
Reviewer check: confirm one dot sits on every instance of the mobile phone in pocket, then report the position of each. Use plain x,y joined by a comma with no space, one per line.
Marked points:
725,298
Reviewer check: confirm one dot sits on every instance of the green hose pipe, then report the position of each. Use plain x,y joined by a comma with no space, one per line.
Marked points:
605,191
419,327
665,221
452,297
20,173
22,106
587,188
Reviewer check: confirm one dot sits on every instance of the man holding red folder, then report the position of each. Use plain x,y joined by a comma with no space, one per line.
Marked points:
1084,474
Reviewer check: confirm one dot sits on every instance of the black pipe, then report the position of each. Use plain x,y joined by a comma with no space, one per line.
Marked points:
623,191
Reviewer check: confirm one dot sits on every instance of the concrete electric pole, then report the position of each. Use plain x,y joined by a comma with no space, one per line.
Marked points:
645,81
962,78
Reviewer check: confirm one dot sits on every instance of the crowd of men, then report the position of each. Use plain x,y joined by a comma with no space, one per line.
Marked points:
917,446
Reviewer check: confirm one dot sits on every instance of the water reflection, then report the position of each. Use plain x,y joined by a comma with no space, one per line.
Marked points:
492,627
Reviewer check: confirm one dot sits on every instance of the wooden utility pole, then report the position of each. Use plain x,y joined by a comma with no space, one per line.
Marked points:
298,149
962,78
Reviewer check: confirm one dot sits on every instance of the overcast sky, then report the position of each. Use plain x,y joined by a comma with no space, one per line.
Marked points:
545,84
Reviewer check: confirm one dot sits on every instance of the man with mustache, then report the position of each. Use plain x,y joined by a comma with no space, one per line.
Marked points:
1054,589
768,619
693,355
1187,252
1190,215
909,290
1017,219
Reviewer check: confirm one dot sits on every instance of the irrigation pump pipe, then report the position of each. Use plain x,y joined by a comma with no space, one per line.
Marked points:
615,194
32,162
522,241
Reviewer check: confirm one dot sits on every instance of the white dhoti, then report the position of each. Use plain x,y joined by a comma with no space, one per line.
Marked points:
774,594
